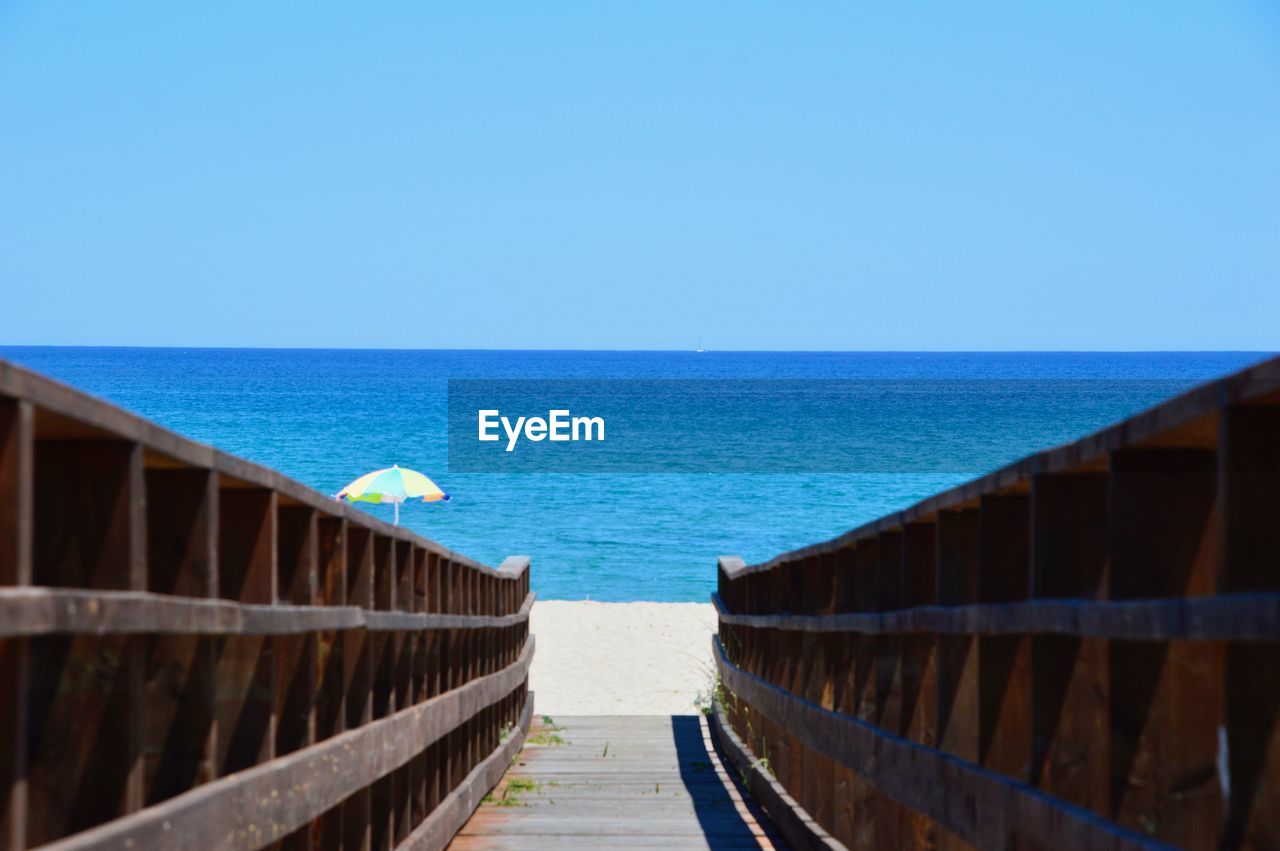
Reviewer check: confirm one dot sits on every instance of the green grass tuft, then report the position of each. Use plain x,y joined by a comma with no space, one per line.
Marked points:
512,792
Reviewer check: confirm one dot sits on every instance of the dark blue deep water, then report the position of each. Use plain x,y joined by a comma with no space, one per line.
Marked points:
324,417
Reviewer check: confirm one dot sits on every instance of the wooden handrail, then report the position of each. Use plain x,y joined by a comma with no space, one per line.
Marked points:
927,780
62,611
198,652
452,813
1228,617
1077,649
301,787
791,820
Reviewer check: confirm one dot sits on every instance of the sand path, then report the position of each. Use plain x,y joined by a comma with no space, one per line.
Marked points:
620,658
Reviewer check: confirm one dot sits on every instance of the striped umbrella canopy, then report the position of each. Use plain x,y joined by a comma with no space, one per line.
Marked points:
394,485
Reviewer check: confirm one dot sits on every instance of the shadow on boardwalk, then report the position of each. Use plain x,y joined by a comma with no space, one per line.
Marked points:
618,782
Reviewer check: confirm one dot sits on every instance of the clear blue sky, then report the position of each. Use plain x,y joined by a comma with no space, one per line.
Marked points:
987,175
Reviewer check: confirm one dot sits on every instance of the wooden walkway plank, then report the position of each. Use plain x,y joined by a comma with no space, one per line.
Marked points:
619,782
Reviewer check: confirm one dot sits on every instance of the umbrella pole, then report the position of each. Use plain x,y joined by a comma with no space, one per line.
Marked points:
397,505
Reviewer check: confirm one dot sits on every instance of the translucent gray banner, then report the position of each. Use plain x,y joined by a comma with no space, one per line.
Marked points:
776,426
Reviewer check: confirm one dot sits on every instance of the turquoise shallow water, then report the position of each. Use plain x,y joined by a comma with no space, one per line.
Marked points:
324,417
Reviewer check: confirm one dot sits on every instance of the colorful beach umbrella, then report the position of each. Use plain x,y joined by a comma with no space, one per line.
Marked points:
394,485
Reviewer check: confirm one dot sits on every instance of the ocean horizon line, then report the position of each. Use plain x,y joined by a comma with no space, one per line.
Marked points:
586,350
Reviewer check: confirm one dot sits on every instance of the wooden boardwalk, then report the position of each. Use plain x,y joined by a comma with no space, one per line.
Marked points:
618,782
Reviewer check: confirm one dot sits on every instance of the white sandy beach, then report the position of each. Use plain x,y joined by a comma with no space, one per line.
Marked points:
620,658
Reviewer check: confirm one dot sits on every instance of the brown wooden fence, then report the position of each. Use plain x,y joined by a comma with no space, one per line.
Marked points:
1079,650
198,653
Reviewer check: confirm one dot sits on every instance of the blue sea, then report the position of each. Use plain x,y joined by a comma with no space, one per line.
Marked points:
325,416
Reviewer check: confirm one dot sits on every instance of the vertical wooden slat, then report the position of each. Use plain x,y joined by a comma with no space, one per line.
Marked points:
384,586
328,831
856,590
132,731
820,771
919,674
297,569
180,682
865,565
245,703
844,576
80,685
1069,682
382,815
435,586
89,531
182,532
383,649
403,801
1004,662
89,515
843,779
420,665
431,769
331,560
331,550
247,545
918,669
360,558
1249,542
448,660
890,817
295,692
432,639
13,754
959,562
17,498
245,714
403,669
419,579
1166,697
888,682
357,813
405,576
297,555
17,491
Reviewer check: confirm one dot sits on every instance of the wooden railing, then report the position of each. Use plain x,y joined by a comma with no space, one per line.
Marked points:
1081,650
197,652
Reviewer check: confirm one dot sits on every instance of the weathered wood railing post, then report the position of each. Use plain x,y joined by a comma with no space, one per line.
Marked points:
180,747
1248,539
1078,650
196,649
17,502
919,674
959,560
1069,684
1167,696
